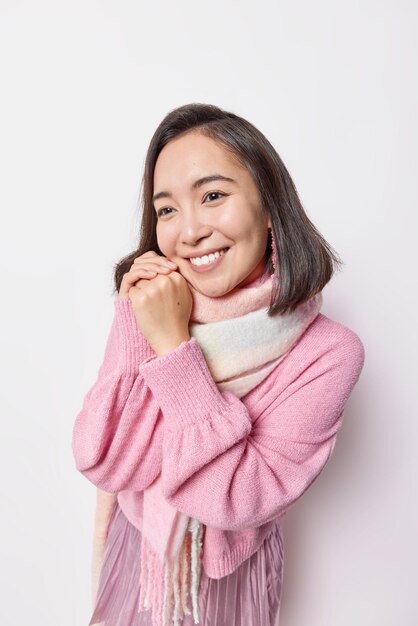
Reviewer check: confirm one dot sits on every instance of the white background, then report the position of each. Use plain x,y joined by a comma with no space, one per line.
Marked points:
84,85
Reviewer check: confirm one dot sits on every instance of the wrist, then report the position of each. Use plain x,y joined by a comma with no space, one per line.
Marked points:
171,344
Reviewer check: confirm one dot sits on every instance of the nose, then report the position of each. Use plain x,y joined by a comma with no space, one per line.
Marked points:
192,230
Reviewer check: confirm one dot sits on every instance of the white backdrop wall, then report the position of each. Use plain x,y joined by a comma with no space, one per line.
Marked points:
84,85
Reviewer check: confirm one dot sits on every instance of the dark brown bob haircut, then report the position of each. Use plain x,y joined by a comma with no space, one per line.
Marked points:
306,262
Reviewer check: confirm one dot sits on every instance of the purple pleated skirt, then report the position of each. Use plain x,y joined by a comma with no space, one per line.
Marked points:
249,596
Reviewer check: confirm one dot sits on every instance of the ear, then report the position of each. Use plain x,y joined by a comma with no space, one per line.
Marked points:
269,223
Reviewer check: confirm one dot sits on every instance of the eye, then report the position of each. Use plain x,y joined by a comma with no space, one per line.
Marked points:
160,211
211,193
214,193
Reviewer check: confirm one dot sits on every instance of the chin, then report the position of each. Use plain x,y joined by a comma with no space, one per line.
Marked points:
213,292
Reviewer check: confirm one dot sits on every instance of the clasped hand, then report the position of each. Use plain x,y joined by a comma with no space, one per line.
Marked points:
161,300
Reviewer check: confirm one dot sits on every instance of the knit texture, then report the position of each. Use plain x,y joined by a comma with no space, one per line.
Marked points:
240,350
235,464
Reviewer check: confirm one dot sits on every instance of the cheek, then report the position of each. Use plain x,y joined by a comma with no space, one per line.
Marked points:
165,239
239,220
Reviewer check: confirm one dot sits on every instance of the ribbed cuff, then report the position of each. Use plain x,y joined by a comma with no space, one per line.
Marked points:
134,346
182,384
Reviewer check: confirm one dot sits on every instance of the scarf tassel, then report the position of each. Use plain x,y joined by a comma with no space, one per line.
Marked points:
238,361
179,577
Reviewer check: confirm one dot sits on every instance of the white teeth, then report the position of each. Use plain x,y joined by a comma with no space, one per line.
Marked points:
207,258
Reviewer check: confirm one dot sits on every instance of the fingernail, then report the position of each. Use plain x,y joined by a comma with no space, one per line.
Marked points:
171,263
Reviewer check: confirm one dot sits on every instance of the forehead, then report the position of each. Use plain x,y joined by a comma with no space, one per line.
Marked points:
186,158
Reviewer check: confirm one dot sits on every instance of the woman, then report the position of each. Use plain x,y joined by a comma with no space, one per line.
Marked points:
222,387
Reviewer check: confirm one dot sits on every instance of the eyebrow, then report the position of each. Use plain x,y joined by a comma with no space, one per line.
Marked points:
197,183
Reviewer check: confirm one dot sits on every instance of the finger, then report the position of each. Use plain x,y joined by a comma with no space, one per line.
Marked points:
142,269
155,268
156,275
137,273
134,272
157,259
131,277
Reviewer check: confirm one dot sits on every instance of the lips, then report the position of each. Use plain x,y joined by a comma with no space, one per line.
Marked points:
208,258
200,254
205,267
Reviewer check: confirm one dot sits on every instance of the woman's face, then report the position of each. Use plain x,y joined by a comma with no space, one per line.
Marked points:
195,217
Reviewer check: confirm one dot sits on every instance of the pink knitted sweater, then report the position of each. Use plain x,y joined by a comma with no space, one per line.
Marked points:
237,465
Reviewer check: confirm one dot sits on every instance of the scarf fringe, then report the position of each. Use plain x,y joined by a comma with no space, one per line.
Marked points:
220,326
165,587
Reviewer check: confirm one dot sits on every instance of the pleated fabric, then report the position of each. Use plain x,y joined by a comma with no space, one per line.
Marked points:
249,596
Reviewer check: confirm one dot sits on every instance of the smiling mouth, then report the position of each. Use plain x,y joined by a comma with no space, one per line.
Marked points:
207,262
207,259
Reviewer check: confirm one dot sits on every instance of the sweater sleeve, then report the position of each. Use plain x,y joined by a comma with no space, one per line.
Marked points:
118,433
233,469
